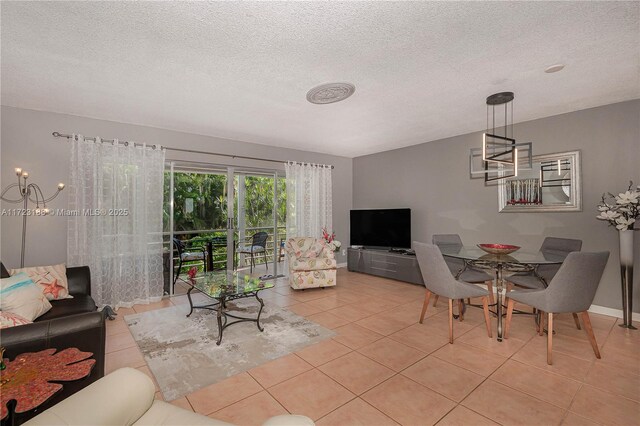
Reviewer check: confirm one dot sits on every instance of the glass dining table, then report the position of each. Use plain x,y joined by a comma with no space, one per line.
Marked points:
503,265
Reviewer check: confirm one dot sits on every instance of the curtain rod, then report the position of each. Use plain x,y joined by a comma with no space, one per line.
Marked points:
61,135
191,151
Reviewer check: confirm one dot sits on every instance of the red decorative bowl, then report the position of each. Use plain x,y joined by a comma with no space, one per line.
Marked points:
498,248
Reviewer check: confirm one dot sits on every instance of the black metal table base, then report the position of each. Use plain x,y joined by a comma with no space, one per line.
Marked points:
500,266
220,307
491,311
495,314
499,285
498,313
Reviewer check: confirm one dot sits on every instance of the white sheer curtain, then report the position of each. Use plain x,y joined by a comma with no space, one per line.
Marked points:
309,206
115,227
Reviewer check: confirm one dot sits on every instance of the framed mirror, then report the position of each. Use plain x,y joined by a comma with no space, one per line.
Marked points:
553,184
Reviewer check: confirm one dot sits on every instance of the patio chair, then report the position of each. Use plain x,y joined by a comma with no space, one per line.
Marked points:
187,254
571,290
258,245
470,275
439,281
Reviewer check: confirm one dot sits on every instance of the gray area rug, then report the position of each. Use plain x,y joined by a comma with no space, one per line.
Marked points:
182,353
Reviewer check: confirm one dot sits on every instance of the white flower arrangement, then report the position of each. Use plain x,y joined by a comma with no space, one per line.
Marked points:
621,210
335,245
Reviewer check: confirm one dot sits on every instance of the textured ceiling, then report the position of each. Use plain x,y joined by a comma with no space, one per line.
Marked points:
236,70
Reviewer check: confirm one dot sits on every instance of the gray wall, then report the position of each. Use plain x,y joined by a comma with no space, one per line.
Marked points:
433,180
26,141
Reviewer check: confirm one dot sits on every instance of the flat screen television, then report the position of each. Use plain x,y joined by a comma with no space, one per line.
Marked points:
381,228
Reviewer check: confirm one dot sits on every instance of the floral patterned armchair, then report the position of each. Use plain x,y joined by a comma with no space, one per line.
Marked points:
311,263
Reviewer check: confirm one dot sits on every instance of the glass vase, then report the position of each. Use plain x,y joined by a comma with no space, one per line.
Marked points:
626,272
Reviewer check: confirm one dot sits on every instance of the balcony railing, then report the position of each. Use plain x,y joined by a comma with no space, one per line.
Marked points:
214,240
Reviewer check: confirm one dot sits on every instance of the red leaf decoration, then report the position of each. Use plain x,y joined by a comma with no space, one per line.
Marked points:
26,378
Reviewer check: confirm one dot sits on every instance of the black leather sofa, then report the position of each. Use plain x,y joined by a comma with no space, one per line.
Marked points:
69,323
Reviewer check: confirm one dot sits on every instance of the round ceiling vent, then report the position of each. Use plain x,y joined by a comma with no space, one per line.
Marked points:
330,93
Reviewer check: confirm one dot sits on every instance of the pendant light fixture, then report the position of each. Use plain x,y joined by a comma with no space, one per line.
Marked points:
500,156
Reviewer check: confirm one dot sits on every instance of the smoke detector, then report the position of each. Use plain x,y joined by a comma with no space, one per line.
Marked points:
330,93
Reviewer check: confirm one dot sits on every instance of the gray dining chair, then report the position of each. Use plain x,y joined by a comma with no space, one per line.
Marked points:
439,281
552,245
470,275
571,290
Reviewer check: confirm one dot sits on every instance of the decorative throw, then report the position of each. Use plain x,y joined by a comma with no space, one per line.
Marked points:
7,319
20,295
52,279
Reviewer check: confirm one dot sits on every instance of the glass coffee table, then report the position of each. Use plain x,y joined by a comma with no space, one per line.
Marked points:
223,287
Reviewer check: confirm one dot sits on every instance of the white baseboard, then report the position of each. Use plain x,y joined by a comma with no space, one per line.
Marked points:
342,265
612,312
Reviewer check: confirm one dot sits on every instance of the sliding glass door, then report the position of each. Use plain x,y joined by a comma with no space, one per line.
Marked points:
259,220
220,217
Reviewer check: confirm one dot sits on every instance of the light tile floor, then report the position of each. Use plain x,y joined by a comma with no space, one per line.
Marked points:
384,368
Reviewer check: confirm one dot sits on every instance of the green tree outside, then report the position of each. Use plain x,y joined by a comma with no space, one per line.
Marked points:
200,202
